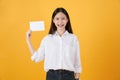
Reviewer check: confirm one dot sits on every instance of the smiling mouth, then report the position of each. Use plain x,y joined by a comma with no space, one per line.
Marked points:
60,25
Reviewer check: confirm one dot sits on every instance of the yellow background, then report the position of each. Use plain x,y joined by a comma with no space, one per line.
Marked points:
95,22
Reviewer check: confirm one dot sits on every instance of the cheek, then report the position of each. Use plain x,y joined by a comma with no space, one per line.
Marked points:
65,22
54,22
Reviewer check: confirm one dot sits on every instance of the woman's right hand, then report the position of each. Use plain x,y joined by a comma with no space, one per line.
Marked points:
28,34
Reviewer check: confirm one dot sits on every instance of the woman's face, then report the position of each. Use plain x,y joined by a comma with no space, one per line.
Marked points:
60,20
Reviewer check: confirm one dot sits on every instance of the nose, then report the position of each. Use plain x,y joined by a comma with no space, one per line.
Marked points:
60,21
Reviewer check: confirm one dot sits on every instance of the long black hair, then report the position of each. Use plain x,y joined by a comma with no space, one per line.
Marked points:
53,28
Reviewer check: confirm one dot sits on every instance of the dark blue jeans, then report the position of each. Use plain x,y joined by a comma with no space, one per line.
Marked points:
60,75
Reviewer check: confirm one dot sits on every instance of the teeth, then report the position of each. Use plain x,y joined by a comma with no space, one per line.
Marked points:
60,25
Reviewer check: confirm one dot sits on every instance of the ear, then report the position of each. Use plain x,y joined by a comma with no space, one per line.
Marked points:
53,21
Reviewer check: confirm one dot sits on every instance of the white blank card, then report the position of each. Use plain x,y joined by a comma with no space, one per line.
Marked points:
37,26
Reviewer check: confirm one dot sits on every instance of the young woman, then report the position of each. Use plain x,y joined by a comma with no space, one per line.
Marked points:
59,49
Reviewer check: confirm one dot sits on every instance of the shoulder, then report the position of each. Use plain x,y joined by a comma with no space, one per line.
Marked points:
47,37
73,36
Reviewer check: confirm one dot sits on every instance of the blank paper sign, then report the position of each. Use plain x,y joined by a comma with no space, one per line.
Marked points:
37,25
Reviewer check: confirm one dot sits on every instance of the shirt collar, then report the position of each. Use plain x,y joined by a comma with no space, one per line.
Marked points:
65,33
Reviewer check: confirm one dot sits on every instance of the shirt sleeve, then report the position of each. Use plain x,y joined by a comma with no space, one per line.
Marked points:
40,53
77,65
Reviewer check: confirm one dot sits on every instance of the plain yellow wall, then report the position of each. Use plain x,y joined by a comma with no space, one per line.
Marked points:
95,22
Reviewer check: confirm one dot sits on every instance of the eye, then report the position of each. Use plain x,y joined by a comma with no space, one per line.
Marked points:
57,18
63,18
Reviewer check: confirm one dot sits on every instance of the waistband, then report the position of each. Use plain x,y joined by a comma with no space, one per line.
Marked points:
60,70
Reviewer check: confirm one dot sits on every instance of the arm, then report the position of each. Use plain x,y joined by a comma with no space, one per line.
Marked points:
28,35
77,60
39,54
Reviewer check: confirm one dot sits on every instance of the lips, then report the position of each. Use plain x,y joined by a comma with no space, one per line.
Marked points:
60,25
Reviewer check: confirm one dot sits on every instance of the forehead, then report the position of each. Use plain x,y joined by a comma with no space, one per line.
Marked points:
60,14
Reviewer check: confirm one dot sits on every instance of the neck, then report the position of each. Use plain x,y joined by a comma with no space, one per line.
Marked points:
60,32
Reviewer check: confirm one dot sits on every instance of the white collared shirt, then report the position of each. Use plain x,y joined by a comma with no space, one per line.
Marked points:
59,52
